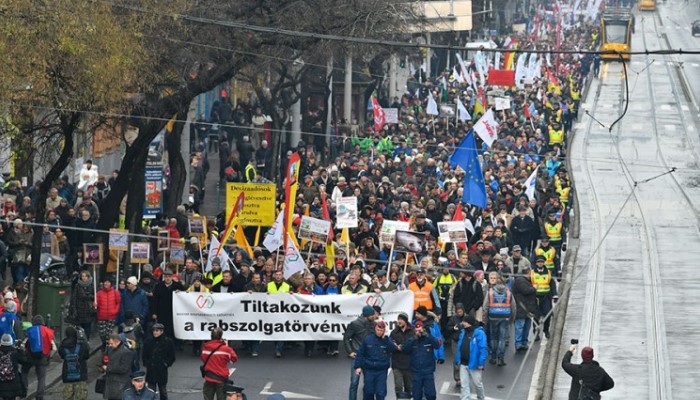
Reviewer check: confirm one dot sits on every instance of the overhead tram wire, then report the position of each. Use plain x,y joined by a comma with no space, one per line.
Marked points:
377,42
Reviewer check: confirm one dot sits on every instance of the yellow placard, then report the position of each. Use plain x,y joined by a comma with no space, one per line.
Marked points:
258,206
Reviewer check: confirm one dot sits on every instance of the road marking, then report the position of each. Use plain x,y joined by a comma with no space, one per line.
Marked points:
289,395
445,391
684,107
695,65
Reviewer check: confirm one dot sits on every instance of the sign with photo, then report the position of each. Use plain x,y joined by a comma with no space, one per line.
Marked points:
177,253
119,239
389,228
198,228
346,212
92,253
410,242
163,240
452,232
314,229
140,253
448,110
502,103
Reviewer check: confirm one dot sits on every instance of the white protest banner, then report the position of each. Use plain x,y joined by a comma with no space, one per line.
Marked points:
293,261
391,115
389,228
502,103
487,128
314,229
270,317
452,232
346,216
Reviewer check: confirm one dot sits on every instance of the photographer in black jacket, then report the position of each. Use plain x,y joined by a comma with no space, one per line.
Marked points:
588,379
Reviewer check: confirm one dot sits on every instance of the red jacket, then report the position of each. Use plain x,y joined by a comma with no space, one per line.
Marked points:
108,302
218,363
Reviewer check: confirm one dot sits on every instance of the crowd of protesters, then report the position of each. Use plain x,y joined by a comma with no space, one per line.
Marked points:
466,296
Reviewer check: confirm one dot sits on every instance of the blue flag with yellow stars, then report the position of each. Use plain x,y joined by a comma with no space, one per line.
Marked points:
467,158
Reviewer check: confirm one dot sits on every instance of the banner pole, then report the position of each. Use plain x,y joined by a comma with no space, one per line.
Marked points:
118,257
391,258
94,281
139,272
277,259
201,258
405,266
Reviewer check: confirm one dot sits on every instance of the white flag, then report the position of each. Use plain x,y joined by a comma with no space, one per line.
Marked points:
530,184
469,226
462,113
432,105
521,71
273,238
487,128
213,249
463,68
457,75
293,262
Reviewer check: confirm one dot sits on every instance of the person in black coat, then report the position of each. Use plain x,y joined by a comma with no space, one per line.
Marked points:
524,230
526,298
163,301
74,386
401,362
593,376
11,388
158,356
468,292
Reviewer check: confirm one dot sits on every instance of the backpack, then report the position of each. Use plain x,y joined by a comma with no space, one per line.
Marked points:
72,360
36,343
7,368
586,393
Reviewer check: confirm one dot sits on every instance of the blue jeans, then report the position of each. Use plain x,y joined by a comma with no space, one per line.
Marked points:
498,334
522,331
375,384
279,346
354,382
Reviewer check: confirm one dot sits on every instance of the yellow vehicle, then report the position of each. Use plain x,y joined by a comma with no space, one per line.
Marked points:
647,5
616,27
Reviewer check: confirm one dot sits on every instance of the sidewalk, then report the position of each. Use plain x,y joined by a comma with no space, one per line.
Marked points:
54,387
214,201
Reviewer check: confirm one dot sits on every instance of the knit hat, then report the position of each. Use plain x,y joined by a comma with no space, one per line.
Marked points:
422,310
11,307
381,325
216,260
38,320
367,311
9,296
403,316
470,320
418,324
458,306
6,340
586,353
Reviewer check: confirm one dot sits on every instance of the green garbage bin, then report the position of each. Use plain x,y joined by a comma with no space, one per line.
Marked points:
52,298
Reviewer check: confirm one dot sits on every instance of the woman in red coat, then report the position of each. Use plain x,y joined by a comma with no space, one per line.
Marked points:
108,301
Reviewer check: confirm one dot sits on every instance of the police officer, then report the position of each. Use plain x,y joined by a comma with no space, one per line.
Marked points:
138,389
444,284
541,279
374,358
422,350
234,392
549,253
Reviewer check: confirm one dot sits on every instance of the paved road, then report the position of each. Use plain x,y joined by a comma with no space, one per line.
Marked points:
633,298
320,377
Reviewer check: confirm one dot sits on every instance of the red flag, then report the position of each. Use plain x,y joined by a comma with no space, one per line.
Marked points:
459,216
379,115
291,185
326,213
501,77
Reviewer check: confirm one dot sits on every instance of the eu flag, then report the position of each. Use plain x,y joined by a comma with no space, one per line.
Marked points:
467,158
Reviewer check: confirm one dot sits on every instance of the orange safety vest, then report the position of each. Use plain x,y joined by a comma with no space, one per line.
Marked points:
499,306
422,295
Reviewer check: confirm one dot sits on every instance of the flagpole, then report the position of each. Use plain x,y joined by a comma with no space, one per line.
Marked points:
391,256
405,266
277,259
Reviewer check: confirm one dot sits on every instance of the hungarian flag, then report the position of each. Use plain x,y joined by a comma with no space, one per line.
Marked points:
379,115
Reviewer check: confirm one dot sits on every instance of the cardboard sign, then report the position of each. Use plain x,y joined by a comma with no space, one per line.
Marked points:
92,253
314,229
119,239
140,253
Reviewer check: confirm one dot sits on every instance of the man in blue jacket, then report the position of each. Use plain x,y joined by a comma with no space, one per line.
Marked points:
470,355
135,300
374,358
422,350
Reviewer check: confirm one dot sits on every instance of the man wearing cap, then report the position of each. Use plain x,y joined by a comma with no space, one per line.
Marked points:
134,299
588,379
75,354
541,280
158,356
526,299
234,392
138,389
421,347
163,302
517,262
400,361
354,335
215,274
470,356
549,253
373,359
383,284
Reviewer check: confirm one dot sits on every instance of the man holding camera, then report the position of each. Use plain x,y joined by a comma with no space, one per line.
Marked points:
588,379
